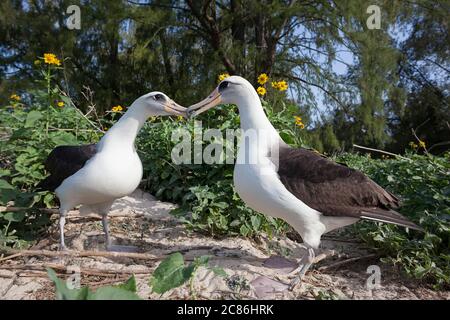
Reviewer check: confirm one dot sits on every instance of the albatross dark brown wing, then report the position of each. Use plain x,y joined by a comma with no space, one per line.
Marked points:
63,162
336,190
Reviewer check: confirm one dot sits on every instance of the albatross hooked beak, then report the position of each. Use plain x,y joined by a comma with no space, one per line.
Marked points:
213,100
174,108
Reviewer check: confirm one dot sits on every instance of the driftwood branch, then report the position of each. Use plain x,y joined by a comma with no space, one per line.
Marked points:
88,253
14,253
341,263
16,209
72,214
380,151
64,269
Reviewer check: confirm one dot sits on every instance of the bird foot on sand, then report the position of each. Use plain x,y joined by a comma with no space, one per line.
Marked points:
294,283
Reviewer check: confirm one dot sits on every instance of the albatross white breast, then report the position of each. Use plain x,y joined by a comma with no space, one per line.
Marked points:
95,175
313,194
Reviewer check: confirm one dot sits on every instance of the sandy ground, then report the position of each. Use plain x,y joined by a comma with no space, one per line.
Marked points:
256,269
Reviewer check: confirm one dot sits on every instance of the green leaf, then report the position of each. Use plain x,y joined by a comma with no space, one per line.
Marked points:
129,285
7,195
5,185
287,137
48,200
14,216
244,230
5,172
32,117
63,138
171,273
113,293
256,222
201,261
63,292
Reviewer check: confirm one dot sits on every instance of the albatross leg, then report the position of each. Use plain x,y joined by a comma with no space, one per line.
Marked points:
62,222
106,230
306,262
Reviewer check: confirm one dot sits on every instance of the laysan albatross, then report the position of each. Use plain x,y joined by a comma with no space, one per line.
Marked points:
310,192
95,175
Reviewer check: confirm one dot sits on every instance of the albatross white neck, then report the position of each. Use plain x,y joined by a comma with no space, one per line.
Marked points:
254,118
124,132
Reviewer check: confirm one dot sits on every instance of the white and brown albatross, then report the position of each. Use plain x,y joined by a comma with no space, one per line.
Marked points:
313,194
95,175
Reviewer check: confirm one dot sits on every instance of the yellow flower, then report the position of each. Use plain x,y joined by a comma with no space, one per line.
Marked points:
223,76
117,108
299,123
105,129
422,144
262,78
50,58
413,145
15,97
261,91
282,85
60,104
180,118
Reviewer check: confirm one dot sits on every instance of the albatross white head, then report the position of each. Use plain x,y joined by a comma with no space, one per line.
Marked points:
151,104
157,104
236,90
233,90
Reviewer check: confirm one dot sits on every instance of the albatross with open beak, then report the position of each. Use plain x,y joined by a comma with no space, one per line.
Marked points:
95,175
311,193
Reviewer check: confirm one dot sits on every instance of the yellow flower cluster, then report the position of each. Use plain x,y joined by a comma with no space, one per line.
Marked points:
117,108
261,91
223,76
414,145
15,97
60,104
299,122
422,144
262,78
280,85
50,58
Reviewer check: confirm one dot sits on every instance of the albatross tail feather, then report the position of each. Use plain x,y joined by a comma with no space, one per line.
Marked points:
388,216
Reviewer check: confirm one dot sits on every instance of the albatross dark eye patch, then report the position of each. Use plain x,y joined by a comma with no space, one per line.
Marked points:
223,85
159,97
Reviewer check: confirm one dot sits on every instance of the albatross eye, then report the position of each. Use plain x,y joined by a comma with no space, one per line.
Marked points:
223,85
159,97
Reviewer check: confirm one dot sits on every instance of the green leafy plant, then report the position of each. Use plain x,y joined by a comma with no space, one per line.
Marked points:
125,291
29,131
422,182
173,272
